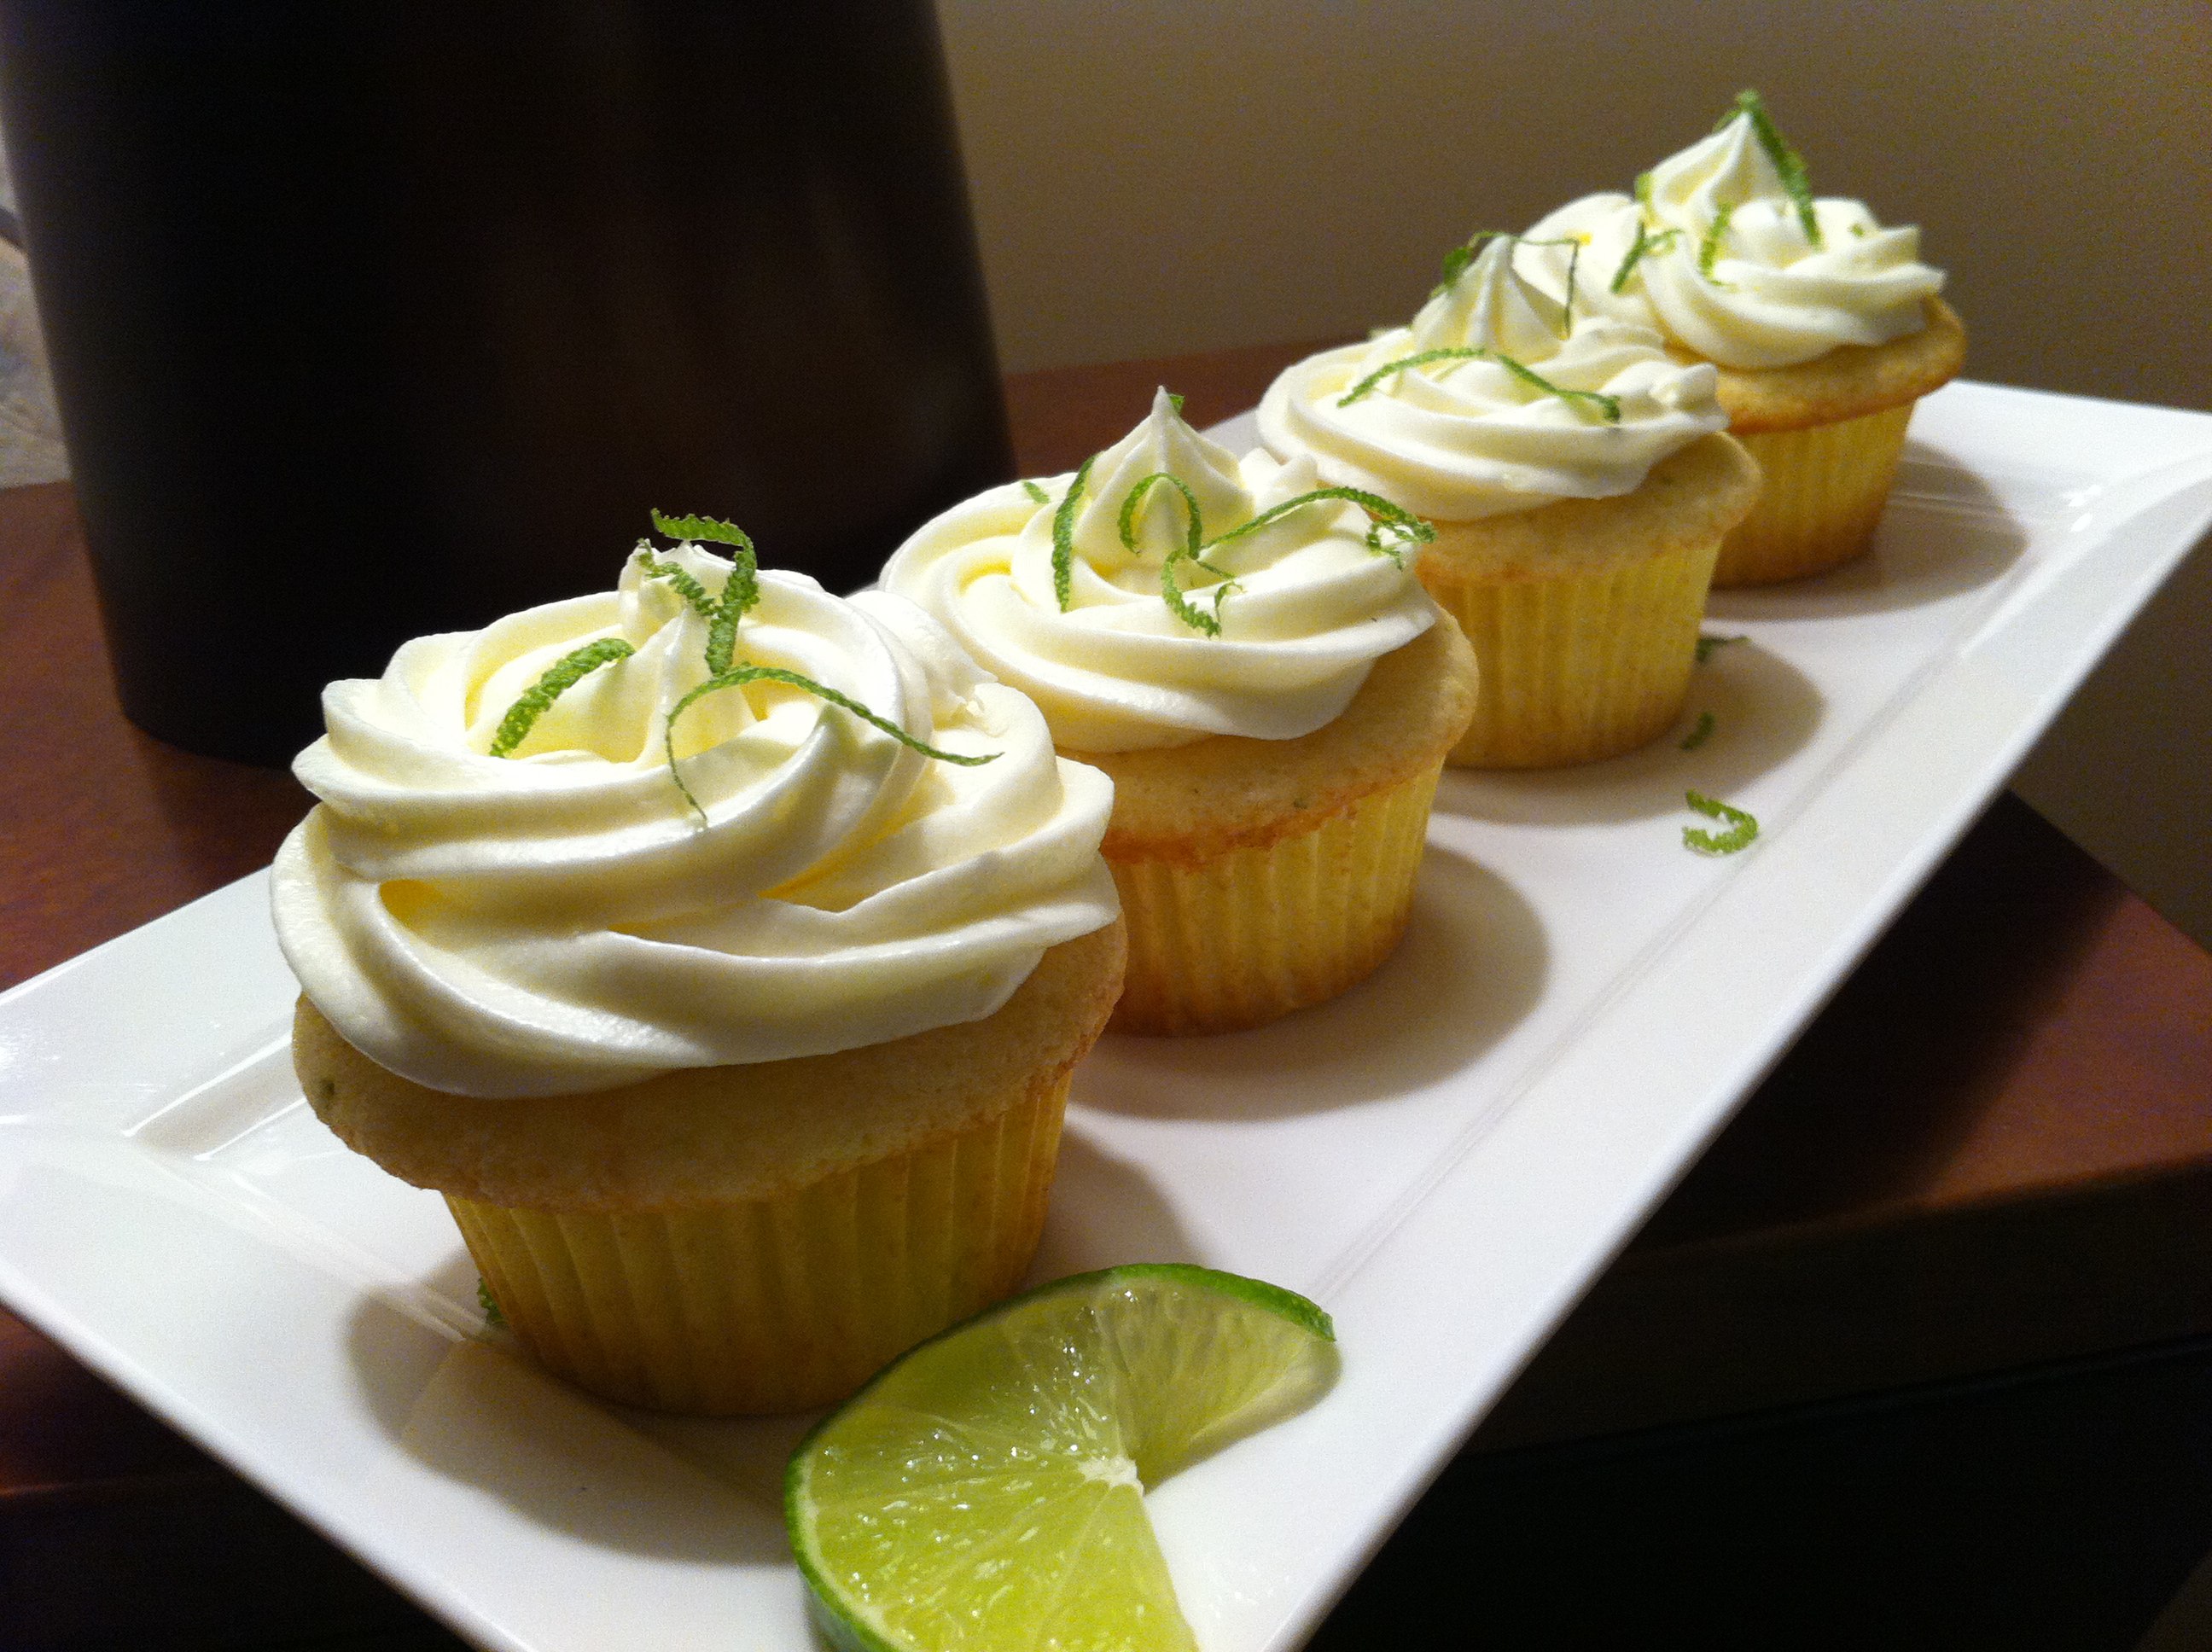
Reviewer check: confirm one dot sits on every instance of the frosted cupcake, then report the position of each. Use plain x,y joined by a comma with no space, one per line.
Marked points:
720,949
1578,487
1250,658
1826,326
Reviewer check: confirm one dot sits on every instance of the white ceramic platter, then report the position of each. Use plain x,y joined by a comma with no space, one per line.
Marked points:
1444,1158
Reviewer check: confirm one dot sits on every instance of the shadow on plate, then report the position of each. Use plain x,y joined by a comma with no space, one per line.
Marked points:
1764,710
484,1416
1104,1210
1944,532
1472,964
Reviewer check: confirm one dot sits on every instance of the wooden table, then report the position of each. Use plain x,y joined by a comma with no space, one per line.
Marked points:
1993,1150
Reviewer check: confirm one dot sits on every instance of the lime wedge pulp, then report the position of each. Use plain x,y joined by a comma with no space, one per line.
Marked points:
985,1492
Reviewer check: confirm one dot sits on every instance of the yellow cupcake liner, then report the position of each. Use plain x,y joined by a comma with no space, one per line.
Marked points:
1252,934
781,1303
1825,489
1578,663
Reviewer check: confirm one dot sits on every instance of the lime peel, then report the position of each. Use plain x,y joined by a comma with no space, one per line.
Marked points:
984,1493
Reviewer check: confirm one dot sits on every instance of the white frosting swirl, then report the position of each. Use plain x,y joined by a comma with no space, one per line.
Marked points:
1305,606
1774,297
562,920
1463,436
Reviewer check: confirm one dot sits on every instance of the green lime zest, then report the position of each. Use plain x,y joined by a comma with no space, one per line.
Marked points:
1175,402
1574,246
1709,250
1797,177
1171,590
538,699
1644,190
494,1316
1609,406
1741,827
1365,388
740,591
1063,535
1181,607
1456,260
1401,528
737,675
1710,641
1646,245
1701,733
1035,492
680,580
1194,531
701,530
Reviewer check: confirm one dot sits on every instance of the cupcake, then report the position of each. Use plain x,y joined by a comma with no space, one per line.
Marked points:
1825,327
720,949
1247,654
1577,484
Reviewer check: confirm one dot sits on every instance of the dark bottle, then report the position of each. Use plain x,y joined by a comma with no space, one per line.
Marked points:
373,317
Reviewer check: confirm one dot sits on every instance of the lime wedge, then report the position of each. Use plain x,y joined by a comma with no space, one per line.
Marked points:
985,1493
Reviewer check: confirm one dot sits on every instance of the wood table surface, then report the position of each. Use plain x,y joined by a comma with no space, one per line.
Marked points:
2021,1070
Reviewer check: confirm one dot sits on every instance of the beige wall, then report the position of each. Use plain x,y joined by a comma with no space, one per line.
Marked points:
1156,176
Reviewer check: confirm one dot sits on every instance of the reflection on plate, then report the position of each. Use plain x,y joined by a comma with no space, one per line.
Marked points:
1444,1158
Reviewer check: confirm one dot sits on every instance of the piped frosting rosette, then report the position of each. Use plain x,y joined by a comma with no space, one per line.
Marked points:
1725,249
773,876
1498,398
1168,591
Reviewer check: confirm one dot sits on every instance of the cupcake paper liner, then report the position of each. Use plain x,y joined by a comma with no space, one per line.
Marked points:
1825,486
1252,934
1578,664
781,1303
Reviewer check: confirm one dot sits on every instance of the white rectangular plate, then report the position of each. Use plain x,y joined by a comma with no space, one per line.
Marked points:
1444,1158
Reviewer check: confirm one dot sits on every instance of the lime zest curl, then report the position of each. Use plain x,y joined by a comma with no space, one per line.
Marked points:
1701,733
1709,250
701,530
1193,531
740,594
737,675
1390,529
1609,406
1742,829
740,591
1063,535
679,578
1457,260
1171,590
538,699
1646,245
1180,606
1036,493
1797,177
1403,527
1574,245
